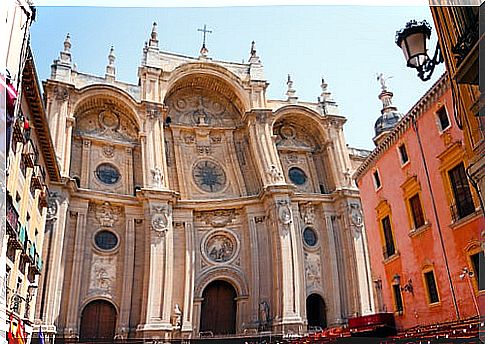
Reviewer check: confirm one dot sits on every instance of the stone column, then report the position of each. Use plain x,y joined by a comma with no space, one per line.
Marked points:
261,142
67,150
128,268
188,322
54,256
73,312
160,264
156,164
129,170
334,273
255,251
86,164
289,317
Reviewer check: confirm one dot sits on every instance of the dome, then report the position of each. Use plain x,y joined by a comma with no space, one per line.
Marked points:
386,122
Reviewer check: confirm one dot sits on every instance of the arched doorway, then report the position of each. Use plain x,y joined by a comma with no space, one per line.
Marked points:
315,311
218,313
98,321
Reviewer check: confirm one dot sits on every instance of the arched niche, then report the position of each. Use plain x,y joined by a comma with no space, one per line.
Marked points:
301,144
105,132
204,99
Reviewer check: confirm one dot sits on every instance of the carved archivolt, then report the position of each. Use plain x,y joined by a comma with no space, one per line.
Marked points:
106,122
196,108
230,274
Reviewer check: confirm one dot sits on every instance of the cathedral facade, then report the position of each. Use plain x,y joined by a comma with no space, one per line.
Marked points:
191,204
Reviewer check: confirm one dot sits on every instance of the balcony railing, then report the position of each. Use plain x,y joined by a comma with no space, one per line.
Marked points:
36,266
38,177
30,154
461,210
12,218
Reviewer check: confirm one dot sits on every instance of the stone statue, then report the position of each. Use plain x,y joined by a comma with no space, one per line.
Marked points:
382,80
157,177
263,315
177,317
275,174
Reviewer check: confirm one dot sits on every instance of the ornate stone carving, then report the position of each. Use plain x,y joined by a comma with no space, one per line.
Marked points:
220,246
157,177
52,207
312,270
204,149
201,110
103,275
153,112
189,138
160,218
259,219
61,94
218,218
263,316
108,151
107,214
307,212
284,212
216,139
109,120
275,174
356,219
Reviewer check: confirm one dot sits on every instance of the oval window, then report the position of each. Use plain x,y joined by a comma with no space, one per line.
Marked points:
105,240
310,237
297,176
108,174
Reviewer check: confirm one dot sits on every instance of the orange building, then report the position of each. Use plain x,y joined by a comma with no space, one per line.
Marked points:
422,215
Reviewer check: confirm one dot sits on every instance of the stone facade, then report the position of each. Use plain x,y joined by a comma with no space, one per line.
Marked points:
190,177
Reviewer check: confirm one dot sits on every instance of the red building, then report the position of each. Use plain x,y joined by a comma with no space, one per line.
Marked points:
422,216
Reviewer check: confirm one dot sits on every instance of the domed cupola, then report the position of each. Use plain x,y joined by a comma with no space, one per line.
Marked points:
389,115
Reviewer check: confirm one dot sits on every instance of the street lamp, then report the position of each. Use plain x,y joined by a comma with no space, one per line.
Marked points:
412,40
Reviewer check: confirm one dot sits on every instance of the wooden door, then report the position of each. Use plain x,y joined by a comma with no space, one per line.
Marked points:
218,313
98,321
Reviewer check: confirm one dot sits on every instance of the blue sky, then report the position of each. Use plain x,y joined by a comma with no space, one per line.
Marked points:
347,45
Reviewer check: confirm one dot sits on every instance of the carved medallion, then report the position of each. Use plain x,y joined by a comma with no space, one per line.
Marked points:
160,218
107,215
220,247
109,119
109,151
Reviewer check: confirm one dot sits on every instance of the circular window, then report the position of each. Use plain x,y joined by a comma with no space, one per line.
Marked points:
310,237
209,176
105,240
108,174
297,176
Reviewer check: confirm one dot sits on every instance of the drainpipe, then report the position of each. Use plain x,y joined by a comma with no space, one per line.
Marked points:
435,212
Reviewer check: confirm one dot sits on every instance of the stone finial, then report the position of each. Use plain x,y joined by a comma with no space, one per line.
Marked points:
65,55
67,44
110,68
153,42
253,58
291,93
325,99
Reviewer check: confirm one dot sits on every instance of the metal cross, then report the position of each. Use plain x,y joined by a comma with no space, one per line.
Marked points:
205,31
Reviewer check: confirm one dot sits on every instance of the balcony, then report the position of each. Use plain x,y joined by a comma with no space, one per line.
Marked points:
18,241
44,197
12,217
38,177
30,154
29,252
36,266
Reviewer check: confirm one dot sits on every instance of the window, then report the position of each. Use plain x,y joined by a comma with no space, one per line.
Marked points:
463,205
297,176
108,174
105,240
431,287
416,211
396,288
309,237
443,120
389,248
403,154
477,265
377,180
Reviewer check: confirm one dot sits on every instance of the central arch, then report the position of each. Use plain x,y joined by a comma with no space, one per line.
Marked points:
218,313
98,321
315,311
